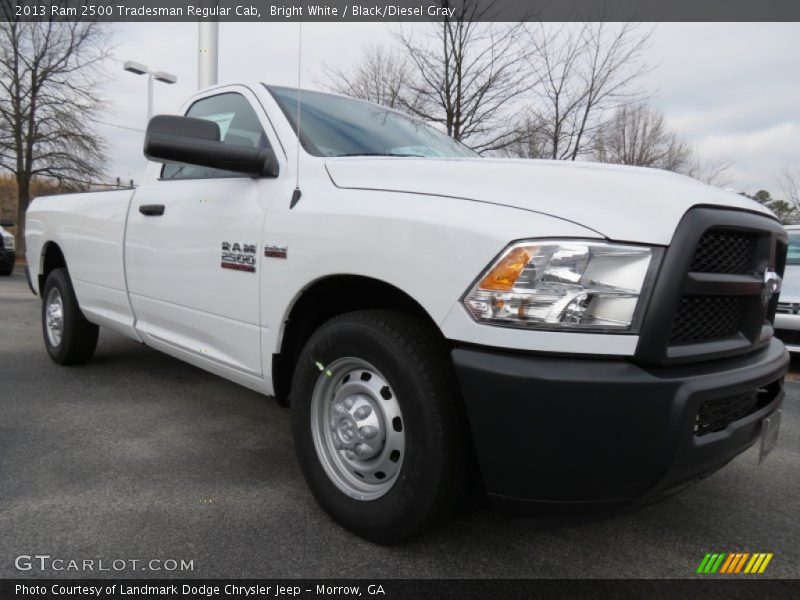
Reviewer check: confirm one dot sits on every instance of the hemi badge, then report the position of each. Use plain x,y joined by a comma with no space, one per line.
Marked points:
275,251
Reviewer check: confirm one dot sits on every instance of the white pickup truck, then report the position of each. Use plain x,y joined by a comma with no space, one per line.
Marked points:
558,332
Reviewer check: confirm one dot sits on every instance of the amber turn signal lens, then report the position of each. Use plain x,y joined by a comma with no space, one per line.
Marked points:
505,274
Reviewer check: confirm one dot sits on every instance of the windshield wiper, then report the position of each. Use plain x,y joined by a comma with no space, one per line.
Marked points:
380,154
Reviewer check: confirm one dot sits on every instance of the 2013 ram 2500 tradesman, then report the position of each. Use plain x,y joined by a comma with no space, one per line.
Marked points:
583,332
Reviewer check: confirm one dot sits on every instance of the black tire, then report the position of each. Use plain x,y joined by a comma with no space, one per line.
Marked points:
78,336
6,273
415,361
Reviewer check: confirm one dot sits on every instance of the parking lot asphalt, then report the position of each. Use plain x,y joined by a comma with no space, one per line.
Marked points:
139,456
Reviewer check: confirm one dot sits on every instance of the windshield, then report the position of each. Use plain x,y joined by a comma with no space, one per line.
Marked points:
793,256
338,126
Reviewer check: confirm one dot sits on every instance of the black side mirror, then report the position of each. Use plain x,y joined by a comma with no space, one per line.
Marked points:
6,223
197,142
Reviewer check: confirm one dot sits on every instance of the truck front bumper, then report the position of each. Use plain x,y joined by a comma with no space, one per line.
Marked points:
570,430
787,329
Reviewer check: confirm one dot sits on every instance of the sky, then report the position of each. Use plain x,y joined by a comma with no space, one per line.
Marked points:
730,89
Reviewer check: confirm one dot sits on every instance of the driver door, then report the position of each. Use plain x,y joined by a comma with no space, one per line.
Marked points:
192,250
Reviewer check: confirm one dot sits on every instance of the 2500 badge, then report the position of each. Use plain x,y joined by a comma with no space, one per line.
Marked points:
239,256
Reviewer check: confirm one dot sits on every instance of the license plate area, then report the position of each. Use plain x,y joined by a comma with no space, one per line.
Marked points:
769,435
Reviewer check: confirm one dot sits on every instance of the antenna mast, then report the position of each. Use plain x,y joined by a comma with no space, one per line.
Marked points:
297,193
299,75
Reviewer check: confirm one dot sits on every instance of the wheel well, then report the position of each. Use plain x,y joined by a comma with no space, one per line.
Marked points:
320,302
52,258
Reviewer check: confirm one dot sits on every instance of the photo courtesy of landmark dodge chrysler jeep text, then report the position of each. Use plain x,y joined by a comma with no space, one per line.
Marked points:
558,332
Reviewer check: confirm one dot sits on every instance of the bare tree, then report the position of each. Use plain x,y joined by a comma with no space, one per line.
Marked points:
789,181
714,171
381,76
679,156
637,135
585,71
467,74
530,138
49,76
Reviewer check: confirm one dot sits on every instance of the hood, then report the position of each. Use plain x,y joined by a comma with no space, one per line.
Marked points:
621,203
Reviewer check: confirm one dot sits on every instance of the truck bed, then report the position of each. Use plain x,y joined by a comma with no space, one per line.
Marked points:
90,227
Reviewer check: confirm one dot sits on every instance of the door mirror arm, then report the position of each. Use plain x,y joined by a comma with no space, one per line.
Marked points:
271,166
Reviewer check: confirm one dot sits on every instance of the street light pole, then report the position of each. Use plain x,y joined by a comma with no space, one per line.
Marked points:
140,69
149,96
208,48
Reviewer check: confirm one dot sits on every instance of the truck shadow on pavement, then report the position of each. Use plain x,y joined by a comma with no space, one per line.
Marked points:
137,452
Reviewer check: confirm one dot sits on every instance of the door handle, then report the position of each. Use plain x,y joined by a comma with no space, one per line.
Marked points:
152,210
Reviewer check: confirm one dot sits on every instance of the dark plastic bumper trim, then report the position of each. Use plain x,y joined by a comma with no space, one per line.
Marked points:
563,430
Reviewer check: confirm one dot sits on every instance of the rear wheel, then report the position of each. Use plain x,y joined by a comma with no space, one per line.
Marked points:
377,424
68,336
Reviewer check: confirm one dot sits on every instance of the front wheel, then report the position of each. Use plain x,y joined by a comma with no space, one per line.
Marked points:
377,424
68,336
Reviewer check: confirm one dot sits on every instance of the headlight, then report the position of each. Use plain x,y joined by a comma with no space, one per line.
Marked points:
572,285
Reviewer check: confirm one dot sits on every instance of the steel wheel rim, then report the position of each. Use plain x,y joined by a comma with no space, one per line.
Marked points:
357,427
54,317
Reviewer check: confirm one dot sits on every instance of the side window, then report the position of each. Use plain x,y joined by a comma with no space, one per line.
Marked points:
238,126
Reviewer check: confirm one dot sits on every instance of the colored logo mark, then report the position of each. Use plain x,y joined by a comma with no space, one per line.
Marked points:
735,562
